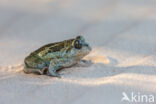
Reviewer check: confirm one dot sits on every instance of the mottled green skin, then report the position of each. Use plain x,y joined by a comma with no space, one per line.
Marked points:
54,56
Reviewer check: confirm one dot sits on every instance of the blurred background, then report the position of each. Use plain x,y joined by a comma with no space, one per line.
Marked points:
27,24
122,34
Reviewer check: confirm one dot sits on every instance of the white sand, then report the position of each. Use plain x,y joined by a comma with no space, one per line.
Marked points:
121,32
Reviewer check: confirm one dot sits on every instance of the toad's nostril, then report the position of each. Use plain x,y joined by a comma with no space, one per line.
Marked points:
90,48
86,45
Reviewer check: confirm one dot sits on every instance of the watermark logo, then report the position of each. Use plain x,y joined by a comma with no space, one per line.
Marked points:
137,97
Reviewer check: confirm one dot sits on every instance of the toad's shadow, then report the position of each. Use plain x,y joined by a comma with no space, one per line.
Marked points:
89,69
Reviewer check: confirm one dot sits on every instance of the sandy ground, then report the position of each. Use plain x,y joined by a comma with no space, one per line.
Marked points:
121,32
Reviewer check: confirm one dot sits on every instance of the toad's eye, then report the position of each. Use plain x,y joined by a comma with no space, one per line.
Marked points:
78,44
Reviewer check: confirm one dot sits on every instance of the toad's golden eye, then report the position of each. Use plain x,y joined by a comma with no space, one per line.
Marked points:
77,44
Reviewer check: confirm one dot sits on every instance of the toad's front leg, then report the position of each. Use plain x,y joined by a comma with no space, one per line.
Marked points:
58,64
53,67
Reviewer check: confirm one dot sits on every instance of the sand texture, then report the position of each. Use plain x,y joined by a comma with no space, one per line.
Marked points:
122,34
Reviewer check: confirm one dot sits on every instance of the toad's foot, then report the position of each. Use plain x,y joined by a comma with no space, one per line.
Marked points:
84,63
53,73
57,64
